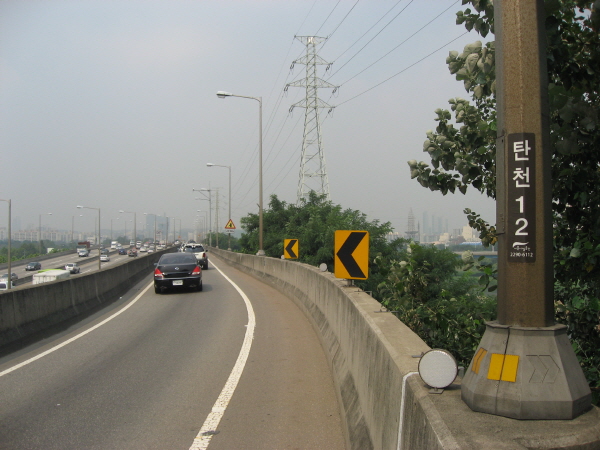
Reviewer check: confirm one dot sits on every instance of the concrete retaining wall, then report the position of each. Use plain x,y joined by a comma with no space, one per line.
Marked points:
385,404
26,310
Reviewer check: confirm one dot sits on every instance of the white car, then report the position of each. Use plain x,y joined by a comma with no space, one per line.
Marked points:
143,248
200,253
72,267
104,258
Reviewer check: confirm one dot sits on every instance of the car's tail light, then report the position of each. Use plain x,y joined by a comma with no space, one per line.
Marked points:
196,271
158,273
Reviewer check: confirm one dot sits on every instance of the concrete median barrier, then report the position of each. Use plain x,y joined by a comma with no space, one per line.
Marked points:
27,310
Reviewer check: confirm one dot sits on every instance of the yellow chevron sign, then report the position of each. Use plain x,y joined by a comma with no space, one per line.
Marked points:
290,248
351,254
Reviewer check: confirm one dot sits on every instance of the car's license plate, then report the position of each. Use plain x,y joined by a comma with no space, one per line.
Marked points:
177,282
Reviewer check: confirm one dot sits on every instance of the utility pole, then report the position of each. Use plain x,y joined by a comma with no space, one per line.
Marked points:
313,172
217,217
524,367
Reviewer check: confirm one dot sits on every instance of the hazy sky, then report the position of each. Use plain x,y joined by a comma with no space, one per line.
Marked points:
113,104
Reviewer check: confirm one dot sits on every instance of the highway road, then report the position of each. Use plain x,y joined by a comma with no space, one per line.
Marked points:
89,264
158,371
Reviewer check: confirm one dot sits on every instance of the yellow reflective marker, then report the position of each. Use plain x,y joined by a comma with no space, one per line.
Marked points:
503,367
509,372
479,356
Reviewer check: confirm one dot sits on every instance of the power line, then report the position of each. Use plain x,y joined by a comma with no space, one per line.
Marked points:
363,35
397,46
404,70
306,17
371,40
342,21
276,151
327,18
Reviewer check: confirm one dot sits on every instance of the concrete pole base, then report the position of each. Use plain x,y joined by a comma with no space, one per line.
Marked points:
526,373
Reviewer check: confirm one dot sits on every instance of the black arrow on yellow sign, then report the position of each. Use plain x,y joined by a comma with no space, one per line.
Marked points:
352,254
290,248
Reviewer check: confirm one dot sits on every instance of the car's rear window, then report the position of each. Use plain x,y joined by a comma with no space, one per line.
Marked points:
177,258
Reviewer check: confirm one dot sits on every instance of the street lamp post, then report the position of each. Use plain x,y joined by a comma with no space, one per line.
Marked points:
40,232
204,218
134,224
223,94
9,284
73,227
196,227
175,229
154,241
209,212
99,232
229,168
111,230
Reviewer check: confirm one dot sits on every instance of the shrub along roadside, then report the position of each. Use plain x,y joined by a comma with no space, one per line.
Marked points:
444,307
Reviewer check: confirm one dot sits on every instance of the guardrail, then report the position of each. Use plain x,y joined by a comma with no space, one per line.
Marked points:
384,402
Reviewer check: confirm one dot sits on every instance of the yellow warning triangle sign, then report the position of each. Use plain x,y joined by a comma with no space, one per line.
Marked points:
230,225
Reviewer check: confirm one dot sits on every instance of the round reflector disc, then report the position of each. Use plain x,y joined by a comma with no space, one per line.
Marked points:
438,368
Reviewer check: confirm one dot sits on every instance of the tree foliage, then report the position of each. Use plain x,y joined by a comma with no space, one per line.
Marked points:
463,154
313,222
428,294
22,250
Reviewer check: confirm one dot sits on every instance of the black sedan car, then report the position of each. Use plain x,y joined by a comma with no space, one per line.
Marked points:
33,266
175,270
122,251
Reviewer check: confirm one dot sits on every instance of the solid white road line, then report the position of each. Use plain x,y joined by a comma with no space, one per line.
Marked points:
74,338
212,421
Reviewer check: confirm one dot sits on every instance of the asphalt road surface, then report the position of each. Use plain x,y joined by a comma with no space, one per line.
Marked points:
149,371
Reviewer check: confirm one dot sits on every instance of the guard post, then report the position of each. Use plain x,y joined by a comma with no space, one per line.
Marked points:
524,367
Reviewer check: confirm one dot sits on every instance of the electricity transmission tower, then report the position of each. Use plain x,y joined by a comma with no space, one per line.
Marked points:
313,173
